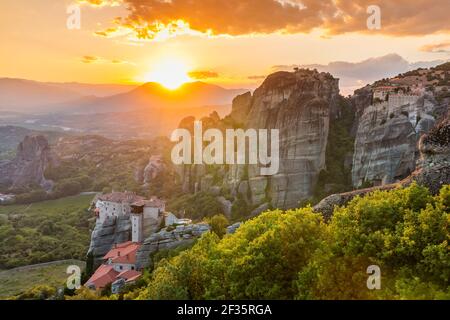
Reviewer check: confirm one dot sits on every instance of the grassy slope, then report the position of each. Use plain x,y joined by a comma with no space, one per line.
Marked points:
44,231
15,281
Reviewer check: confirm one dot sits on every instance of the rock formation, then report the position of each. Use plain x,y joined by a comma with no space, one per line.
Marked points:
387,137
433,169
299,105
27,168
154,167
165,239
105,235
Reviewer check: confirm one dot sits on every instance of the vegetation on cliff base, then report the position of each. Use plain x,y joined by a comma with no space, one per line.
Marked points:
195,206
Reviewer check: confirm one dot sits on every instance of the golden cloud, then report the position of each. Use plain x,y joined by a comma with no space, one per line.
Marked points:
202,75
101,3
436,47
93,59
89,59
398,18
148,18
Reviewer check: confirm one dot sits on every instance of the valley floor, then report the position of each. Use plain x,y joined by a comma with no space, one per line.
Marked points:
17,280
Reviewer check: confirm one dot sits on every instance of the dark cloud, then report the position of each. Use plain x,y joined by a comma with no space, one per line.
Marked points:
241,17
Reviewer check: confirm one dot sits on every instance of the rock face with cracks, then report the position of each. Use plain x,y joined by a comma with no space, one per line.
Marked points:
299,104
433,169
387,135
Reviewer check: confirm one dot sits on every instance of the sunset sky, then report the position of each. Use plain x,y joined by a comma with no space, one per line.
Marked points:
233,43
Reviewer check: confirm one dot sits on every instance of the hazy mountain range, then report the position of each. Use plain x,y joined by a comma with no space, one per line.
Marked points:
115,111
19,95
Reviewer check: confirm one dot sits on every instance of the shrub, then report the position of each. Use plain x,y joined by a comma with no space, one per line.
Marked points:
218,224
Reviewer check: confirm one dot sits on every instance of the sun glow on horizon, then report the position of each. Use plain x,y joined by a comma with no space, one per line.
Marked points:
169,73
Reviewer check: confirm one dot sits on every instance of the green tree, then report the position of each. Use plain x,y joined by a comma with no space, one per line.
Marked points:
218,224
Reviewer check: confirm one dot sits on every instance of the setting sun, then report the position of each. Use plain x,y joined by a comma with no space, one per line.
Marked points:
171,74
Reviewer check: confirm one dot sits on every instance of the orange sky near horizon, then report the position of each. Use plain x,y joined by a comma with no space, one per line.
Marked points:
37,45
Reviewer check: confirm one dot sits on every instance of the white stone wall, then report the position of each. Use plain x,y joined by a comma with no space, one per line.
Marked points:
380,95
170,219
110,210
396,100
136,228
151,213
119,267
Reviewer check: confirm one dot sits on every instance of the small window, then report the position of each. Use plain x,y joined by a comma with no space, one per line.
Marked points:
132,268
120,267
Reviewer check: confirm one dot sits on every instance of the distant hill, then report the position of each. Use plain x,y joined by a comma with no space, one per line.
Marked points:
97,90
31,96
28,96
153,96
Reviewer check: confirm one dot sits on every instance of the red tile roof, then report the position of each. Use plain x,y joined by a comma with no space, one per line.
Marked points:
152,203
119,197
104,275
123,253
129,275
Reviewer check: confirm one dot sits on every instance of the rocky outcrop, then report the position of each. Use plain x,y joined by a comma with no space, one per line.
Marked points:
226,206
166,240
387,137
241,107
380,143
232,229
153,168
327,205
105,235
27,168
433,170
299,105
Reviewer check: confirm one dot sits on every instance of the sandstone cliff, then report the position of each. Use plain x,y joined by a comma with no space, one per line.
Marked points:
299,104
387,137
167,240
106,234
391,116
432,171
